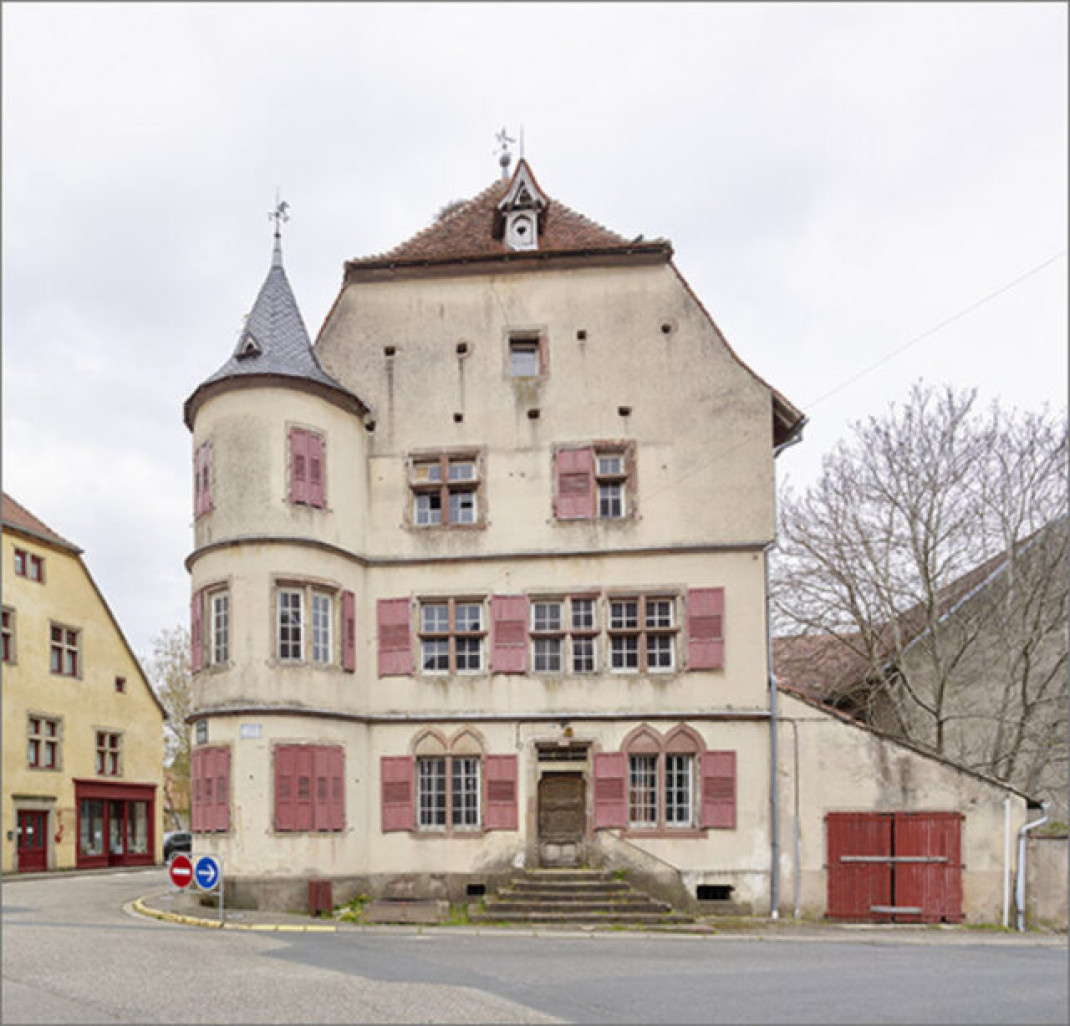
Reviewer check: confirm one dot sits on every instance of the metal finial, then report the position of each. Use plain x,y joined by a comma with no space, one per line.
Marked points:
278,215
505,157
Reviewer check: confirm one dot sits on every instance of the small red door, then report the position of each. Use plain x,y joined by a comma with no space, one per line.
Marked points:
932,883
859,873
33,841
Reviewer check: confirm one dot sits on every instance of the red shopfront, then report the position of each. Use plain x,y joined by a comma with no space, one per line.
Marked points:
115,824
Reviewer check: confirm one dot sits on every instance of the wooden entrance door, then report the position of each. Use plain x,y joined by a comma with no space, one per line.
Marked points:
562,818
33,841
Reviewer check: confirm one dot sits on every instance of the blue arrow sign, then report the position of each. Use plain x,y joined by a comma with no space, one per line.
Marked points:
206,873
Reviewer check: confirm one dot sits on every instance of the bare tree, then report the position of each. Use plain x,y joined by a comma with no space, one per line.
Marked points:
169,671
931,558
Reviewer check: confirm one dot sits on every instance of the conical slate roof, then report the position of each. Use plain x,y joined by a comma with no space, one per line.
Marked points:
274,339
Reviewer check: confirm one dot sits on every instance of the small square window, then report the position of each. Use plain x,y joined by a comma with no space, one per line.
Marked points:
201,732
120,685
524,357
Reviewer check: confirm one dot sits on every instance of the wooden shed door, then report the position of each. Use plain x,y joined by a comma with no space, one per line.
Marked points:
33,841
902,867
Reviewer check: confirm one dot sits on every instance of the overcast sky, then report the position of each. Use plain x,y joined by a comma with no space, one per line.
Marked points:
837,180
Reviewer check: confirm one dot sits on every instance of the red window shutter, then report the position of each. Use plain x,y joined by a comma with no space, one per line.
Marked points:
575,484
705,629
315,470
719,790
349,631
222,789
304,787
336,769
298,465
196,655
321,788
509,639
198,458
285,788
610,789
195,811
206,477
397,805
500,808
395,637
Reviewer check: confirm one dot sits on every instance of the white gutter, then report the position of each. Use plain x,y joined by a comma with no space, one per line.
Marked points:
1019,897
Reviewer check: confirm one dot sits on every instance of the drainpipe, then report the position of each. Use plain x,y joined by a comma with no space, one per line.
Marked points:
1007,862
1019,896
774,754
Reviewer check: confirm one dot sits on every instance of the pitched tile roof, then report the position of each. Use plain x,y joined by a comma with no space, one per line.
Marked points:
473,230
18,517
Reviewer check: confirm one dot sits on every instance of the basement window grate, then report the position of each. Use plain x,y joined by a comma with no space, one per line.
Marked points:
714,892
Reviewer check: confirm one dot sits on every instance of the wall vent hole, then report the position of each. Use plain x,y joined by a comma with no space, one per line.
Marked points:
462,348
533,414
714,892
581,335
624,411
457,418
390,350
666,328
477,890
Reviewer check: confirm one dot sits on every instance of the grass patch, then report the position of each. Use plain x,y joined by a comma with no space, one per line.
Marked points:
353,910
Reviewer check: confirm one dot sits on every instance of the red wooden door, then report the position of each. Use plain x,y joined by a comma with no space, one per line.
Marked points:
932,883
859,873
33,841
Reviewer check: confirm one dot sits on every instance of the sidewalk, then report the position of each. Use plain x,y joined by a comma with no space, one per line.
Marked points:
186,909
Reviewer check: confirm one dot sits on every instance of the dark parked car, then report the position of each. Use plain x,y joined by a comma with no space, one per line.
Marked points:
176,841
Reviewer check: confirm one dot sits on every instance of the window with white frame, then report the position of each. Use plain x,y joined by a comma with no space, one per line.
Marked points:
219,621
643,791
306,628
679,790
445,490
65,650
44,735
662,779
525,356
563,635
447,792
642,633
611,476
451,636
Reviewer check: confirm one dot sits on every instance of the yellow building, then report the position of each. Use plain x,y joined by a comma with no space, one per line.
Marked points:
82,728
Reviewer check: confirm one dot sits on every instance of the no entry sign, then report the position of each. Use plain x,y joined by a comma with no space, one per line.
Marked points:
181,871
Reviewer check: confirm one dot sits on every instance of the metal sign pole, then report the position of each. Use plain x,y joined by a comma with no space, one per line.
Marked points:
222,912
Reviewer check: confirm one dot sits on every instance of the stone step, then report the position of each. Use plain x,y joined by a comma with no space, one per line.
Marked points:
584,918
506,907
539,887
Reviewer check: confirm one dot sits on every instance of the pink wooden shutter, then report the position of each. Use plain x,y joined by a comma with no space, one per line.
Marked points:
349,631
395,637
206,478
196,655
195,790
719,790
610,789
285,788
500,773
705,629
397,807
575,484
509,640
298,465
315,470
321,788
304,787
337,774
220,769
198,459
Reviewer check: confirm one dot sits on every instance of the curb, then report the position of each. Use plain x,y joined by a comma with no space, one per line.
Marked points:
139,906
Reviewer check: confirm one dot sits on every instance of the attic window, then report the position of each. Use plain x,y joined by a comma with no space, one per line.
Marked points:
248,347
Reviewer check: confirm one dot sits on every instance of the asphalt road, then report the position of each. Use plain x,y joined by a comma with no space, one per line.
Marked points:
70,955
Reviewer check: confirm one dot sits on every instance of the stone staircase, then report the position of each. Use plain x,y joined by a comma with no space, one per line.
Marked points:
574,897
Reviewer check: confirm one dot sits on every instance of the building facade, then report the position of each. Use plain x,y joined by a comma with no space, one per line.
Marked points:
478,582
83,730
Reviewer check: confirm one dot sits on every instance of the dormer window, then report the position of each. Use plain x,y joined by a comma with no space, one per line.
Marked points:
248,347
521,209
521,231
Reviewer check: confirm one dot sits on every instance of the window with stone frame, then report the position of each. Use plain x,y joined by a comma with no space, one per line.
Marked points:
452,633
65,650
109,753
307,627
445,490
662,779
564,634
642,633
448,784
7,634
29,565
44,742
219,626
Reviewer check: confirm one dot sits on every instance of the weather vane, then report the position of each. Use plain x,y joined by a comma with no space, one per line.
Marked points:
503,160
279,214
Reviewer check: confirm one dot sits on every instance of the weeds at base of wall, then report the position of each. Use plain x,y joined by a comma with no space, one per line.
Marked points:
353,910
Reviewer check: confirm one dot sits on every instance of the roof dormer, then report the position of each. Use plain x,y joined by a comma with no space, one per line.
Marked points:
522,210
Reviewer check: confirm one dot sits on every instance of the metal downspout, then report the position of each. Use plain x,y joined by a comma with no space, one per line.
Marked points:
1019,895
774,748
